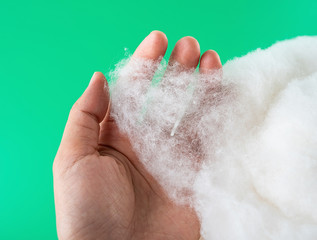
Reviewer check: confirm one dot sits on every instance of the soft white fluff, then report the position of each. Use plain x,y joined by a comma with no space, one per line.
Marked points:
240,144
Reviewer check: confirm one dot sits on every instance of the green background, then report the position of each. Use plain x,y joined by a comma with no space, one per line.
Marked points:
50,49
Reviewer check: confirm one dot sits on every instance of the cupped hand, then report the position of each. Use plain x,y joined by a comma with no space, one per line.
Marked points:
101,189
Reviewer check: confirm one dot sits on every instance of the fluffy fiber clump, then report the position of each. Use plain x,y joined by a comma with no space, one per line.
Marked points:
239,144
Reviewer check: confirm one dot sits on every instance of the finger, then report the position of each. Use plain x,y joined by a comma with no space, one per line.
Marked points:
211,70
173,88
147,56
184,58
152,47
81,133
208,87
209,61
185,54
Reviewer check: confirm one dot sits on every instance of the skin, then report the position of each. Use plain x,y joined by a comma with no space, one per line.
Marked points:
101,189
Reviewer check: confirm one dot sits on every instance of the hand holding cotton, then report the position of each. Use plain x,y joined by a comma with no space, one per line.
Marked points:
239,144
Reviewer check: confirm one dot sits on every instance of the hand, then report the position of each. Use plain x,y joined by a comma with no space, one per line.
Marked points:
101,189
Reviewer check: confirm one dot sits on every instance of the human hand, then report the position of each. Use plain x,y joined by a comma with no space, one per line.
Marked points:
101,189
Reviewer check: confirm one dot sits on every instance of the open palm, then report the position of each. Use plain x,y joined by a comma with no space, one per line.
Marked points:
101,189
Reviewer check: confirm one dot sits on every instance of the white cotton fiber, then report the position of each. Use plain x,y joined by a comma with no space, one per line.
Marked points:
239,144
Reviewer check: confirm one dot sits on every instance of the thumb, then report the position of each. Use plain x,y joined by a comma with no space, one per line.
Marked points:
81,133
